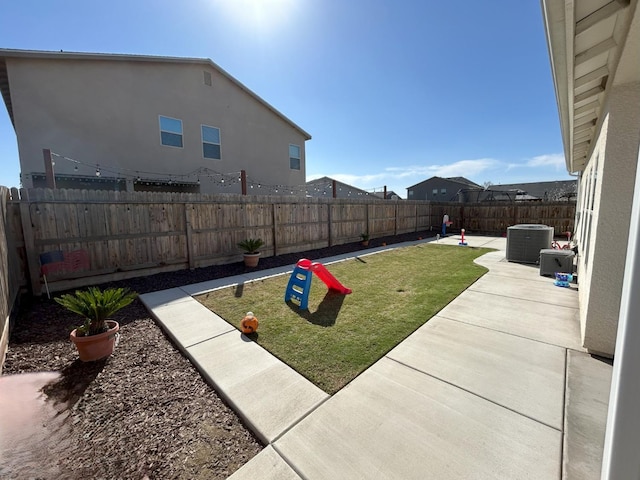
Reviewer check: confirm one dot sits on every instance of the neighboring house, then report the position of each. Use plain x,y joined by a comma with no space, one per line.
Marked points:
389,195
558,191
438,189
139,122
594,47
329,188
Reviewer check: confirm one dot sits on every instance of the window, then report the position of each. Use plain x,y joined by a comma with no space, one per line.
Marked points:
443,191
207,78
210,142
435,192
294,157
170,132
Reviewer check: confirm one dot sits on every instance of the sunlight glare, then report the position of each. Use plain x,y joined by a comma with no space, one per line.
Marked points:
261,15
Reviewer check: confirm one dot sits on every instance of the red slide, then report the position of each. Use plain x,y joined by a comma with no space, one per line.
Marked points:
329,280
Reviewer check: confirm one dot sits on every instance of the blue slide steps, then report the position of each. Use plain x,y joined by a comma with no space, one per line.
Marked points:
298,287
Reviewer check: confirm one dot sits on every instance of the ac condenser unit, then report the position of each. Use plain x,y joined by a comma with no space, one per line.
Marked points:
525,241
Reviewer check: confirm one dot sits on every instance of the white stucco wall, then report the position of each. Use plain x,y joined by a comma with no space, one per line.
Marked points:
610,176
106,112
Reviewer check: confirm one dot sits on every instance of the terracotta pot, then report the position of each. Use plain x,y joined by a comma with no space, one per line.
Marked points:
365,243
251,259
96,347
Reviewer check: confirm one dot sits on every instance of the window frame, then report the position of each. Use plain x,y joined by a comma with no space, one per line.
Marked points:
299,158
203,142
160,117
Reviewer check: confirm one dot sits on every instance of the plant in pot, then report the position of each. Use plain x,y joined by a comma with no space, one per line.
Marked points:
251,247
96,337
365,239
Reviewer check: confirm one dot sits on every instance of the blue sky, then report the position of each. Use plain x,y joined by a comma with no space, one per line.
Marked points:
392,91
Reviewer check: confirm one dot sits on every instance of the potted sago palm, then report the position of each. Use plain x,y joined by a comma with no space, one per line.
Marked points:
96,337
251,247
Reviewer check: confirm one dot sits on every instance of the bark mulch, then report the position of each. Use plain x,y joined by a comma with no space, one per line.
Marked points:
145,411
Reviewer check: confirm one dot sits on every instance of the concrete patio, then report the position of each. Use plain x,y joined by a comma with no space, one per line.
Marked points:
495,386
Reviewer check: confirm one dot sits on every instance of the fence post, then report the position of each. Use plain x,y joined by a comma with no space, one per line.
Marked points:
48,169
33,261
416,228
243,181
333,187
329,221
189,231
367,219
395,223
275,229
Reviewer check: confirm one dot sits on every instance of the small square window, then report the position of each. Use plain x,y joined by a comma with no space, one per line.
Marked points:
170,132
211,142
294,157
443,191
435,192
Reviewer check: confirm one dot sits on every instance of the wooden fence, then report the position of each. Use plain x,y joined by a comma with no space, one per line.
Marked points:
128,234
12,265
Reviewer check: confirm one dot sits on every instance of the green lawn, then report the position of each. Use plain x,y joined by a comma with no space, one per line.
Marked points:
341,335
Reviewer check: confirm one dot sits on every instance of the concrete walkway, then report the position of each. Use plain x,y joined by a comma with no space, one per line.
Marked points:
495,386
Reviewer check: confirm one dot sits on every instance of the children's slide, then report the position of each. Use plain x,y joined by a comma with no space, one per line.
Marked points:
329,280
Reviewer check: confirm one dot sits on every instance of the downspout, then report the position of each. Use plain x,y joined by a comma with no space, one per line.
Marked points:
620,460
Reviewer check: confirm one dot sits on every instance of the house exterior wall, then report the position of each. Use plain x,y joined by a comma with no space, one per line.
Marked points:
104,112
424,190
606,193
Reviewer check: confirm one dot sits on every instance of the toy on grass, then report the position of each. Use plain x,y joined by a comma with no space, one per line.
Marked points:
462,243
249,323
299,284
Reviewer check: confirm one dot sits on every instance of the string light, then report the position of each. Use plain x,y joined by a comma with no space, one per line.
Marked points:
196,177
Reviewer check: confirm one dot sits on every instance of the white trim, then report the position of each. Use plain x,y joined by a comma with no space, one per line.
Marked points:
620,458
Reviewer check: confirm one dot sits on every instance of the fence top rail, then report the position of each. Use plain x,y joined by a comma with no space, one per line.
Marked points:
70,196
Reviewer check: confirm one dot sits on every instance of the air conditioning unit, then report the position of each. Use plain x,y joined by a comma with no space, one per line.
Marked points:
552,261
525,241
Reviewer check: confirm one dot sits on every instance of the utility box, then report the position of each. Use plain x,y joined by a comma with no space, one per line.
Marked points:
552,261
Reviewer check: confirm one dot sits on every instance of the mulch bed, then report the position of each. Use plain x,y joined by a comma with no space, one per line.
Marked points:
145,410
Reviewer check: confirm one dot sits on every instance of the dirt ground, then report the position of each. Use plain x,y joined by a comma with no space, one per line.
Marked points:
145,411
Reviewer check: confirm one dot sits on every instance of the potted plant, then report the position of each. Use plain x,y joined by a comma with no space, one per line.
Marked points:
251,247
365,239
96,337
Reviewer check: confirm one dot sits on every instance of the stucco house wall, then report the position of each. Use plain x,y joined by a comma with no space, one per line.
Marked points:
104,111
606,189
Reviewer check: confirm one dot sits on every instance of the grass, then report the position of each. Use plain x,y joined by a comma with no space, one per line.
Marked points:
339,336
